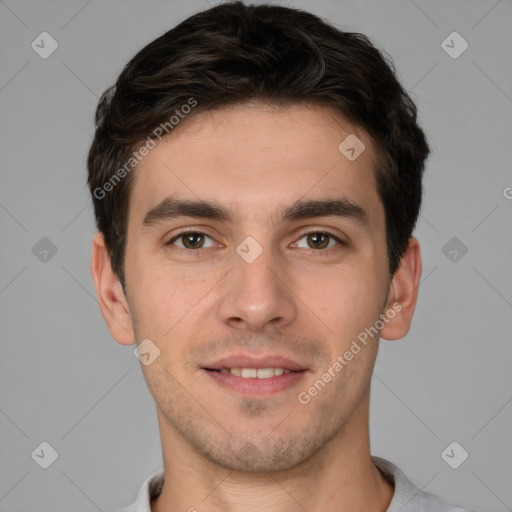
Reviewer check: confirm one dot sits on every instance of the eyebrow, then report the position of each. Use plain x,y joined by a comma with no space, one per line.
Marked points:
172,207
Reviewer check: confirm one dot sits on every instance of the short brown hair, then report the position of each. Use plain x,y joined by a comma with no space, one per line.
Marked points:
233,53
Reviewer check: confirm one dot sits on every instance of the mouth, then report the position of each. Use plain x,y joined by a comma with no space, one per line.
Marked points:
252,377
254,373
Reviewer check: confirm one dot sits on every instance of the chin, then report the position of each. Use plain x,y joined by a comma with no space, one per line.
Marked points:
262,454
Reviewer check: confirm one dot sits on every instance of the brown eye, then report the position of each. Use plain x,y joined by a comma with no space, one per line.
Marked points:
318,240
189,240
192,240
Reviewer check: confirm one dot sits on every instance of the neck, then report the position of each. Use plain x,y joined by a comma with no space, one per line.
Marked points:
340,476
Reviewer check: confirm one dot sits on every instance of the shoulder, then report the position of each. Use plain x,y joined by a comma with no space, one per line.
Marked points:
409,498
150,488
129,508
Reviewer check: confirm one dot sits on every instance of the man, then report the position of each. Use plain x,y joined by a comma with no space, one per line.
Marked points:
256,176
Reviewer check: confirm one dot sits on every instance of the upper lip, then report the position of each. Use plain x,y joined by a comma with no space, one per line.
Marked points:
244,361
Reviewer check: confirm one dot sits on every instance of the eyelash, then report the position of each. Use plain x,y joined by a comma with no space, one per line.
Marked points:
198,252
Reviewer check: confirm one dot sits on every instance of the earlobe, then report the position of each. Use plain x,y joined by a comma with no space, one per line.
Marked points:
403,293
111,298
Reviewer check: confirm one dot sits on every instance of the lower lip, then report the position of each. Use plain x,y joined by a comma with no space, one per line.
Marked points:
253,386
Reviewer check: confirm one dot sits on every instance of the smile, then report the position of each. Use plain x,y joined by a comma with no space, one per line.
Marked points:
255,373
255,382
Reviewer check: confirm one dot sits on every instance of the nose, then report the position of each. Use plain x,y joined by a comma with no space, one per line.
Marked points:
258,293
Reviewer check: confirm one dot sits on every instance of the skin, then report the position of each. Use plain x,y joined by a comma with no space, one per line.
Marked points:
222,451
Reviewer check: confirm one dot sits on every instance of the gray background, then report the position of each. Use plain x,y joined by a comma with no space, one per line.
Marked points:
63,379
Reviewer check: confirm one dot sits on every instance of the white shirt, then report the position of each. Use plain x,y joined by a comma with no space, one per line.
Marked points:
406,498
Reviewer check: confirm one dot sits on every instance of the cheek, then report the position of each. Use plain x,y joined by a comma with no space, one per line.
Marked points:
159,304
166,300
346,299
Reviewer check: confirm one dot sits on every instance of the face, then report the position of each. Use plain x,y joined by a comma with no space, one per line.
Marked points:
254,296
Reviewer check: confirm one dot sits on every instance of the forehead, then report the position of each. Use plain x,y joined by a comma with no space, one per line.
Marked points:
254,157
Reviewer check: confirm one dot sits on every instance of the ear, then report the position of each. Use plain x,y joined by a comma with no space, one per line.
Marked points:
111,298
403,293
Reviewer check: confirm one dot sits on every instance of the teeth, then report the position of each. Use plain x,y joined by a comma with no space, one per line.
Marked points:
265,373
255,373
